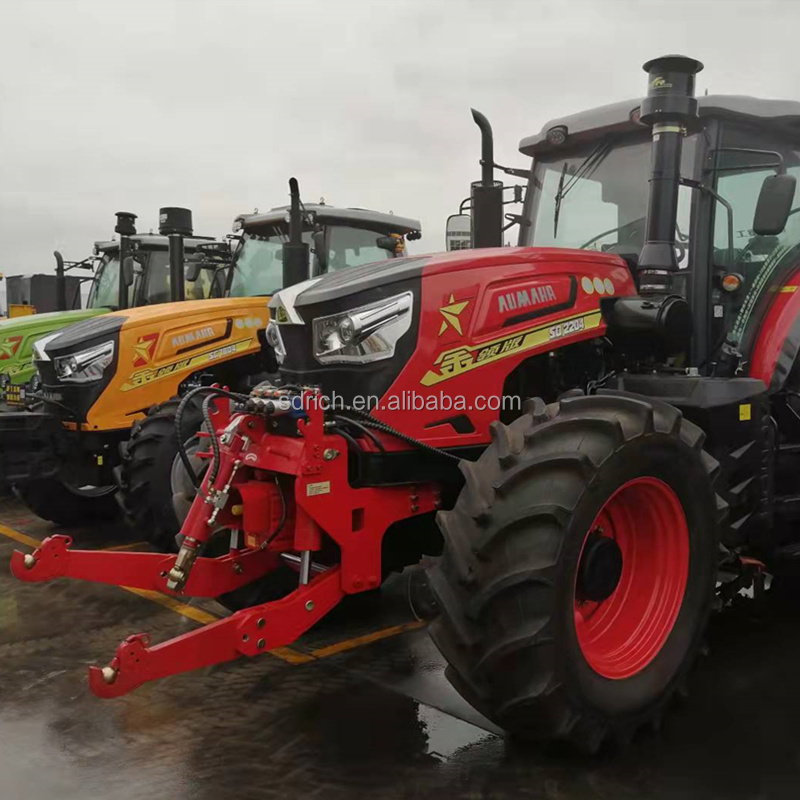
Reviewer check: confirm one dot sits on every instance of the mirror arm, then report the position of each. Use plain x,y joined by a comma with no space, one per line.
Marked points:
516,219
692,184
515,171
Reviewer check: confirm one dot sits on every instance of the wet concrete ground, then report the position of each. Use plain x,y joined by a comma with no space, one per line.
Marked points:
365,709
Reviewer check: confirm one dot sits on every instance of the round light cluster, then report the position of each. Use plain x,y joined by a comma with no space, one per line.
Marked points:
249,322
597,285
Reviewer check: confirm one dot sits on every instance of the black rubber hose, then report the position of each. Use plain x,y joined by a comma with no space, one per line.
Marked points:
210,390
365,430
371,422
214,441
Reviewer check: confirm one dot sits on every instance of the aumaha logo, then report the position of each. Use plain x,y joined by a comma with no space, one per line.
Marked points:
191,337
524,298
660,83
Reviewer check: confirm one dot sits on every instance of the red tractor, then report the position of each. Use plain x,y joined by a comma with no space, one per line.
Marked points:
592,436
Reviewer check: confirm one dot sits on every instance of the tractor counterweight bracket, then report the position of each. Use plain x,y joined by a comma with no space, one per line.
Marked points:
249,632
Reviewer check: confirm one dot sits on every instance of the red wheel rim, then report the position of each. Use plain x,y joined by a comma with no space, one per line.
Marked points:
620,635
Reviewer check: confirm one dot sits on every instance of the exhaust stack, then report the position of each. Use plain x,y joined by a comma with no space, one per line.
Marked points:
487,193
125,227
175,223
669,106
295,251
61,282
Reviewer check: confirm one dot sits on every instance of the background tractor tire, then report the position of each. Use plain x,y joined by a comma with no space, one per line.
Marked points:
56,502
579,568
145,476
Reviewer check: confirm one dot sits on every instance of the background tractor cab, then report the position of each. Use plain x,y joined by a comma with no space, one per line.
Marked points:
335,237
143,280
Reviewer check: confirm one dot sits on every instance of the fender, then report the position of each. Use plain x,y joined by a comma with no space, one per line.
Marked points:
778,341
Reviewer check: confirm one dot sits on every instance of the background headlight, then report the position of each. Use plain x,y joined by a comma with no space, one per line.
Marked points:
86,365
365,334
39,352
275,341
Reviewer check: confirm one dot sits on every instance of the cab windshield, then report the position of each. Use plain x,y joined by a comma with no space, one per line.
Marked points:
105,287
593,199
258,268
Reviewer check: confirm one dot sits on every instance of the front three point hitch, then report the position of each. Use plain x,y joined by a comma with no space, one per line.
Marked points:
248,632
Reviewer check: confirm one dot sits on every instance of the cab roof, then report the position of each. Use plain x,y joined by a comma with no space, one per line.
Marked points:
620,117
361,217
152,241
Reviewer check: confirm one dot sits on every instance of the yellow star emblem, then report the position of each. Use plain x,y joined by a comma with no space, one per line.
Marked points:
142,349
451,314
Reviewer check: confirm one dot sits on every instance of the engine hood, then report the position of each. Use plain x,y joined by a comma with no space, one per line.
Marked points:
46,322
354,280
18,336
190,310
470,308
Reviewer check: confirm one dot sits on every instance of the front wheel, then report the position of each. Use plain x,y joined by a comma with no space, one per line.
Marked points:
579,568
151,472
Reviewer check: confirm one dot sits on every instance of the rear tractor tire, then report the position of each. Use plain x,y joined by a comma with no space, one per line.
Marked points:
56,501
148,474
579,568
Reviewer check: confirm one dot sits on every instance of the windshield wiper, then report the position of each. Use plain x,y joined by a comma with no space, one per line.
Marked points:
559,196
586,168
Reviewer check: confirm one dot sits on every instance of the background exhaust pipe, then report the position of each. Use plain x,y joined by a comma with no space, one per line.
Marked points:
125,227
295,251
487,193
61,282
175,223
669,106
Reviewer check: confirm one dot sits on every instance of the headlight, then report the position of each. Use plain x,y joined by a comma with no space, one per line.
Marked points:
275,341
365,334
39,346
87,365
34,384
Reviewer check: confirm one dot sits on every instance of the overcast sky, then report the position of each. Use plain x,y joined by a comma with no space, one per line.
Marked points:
112,105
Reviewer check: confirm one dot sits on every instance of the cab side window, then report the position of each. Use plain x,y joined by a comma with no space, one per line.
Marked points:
762,262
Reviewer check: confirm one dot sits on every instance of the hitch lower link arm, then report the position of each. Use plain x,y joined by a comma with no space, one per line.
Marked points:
210,576
249,632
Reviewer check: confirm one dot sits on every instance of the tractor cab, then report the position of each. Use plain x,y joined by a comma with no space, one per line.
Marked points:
336,238
149,280
588,190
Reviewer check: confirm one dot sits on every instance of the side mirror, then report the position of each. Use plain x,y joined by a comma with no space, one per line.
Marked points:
774,205
458,233
59,261
393,246
319,243
127,270
192,269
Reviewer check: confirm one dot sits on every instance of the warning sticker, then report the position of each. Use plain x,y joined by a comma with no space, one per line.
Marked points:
324,487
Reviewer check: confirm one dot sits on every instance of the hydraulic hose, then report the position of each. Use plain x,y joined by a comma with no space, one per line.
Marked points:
377,425
212,391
